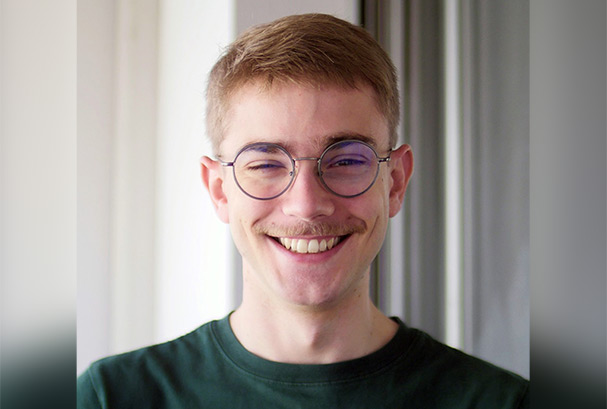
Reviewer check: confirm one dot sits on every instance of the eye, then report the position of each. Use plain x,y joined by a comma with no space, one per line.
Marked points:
264,166
347,161
265,169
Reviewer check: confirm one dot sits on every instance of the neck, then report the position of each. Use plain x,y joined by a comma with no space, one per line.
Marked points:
296,334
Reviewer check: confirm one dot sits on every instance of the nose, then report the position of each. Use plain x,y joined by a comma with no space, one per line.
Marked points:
307,199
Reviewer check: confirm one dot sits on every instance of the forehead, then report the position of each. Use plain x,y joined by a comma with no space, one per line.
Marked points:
304,119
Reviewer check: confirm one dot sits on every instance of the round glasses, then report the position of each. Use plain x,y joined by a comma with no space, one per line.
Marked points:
265,171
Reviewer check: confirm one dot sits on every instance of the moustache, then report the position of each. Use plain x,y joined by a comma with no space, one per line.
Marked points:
311,229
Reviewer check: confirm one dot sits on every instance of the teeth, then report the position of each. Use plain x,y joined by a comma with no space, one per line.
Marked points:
313,246
323,245
286,242
304,246
331,243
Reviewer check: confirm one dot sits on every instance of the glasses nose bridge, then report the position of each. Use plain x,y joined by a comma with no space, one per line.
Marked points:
306,159
309,159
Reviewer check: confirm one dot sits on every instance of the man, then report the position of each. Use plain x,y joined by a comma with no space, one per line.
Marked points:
302,114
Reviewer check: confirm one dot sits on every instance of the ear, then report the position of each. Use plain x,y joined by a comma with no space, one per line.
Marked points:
212,179
401,169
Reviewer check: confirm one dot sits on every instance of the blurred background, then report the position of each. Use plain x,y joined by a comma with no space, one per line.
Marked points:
153,261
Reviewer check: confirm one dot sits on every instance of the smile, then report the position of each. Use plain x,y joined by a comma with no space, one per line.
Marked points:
304,246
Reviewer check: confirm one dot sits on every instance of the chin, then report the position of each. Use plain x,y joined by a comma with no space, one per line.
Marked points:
307,290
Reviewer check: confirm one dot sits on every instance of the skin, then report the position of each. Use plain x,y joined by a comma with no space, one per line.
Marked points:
308,308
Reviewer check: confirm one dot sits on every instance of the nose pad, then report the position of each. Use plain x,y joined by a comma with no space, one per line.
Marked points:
307,198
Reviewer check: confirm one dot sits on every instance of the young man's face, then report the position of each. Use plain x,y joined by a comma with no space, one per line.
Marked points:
306,120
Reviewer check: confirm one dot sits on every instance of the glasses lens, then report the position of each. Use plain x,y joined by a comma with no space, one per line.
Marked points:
263,171
349,168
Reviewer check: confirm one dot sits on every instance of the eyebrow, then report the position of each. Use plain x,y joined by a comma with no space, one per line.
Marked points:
344,136
262,147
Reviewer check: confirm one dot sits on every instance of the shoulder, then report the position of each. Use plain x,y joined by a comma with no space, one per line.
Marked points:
164,355
129,379
453,372
439,356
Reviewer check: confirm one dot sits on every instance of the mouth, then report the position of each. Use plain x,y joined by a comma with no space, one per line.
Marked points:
306,246
311,238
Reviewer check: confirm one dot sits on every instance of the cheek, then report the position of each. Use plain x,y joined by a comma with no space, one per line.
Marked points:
244,213
241,215
240,228
381,195
372,207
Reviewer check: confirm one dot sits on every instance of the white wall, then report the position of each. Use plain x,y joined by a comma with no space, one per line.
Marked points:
192,258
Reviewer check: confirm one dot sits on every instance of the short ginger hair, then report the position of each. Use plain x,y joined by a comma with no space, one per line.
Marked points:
306,49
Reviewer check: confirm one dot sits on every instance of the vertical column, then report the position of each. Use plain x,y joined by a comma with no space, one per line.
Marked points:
452,175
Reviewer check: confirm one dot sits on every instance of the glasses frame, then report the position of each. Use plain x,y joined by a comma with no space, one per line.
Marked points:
293,172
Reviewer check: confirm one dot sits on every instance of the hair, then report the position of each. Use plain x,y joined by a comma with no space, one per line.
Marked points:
306,49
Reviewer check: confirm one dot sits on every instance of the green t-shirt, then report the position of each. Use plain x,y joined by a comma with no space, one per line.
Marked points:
209,368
